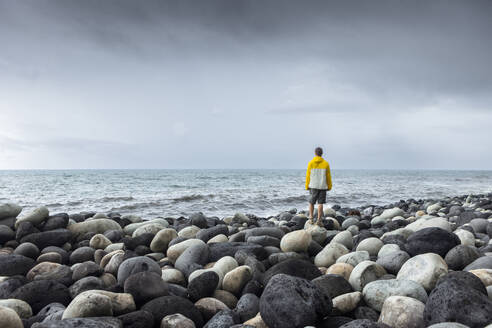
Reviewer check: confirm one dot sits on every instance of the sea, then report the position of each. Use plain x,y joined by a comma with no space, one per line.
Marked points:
222,193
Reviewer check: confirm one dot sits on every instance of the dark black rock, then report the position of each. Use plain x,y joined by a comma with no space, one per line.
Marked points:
199,220
219,250
59,221
137,319
82,254
86,269
460,256
177,290
114,235
264,241
134,265
464,278
13,264
365,312
203,285
289,301
85,284
28,250
23,229
145,286
223,319
465,217
361,323
332,285
253,287
9,285
453,301
295,267
6,234
207,234
334,322
247,307
40,293
193,258
96,322
165,305
392,262
431,240
44,239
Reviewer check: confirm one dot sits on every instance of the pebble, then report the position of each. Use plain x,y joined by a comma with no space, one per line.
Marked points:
402,312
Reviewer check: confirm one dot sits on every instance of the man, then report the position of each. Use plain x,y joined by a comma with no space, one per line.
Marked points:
318,180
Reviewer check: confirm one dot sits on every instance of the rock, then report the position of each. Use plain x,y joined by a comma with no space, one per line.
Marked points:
50,257
161,240
88,305
341,269
165,305
402,312
432,222
82,254
388,214
484,262
134,265
332,285
6,234
177,321
28,250
393,262
371,245
256,322
61,274
431,240
149,227
44,239
387,249
220,239
376,292
364,273
318,234
354,258
236,279
41,268
265,231
225,297
120,302
192,258
9,210
203,285
479,225
219,250
173,276
209,307
84,284
145,286
86,269
174,251
448,325
9,318
95,322
22,309
188,232
12,264
137,319
224,318
460,256
99,241
295,267
330,254
58,221
35,217
456,300
207,234
40,293
466,237
347,302
292,302
485,275
424,269
296,241
344,238
95,226
349,222
8,285
247,307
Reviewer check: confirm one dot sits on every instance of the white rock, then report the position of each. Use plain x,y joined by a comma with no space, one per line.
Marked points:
372,245
387,249
9,210
188,232
364,273
176,250
173,276
35,217
402,312
130,229
329,254
88,305
236,279
162,239
347,302
295,241
221,238
425,269
328,211
388,214
466,237
354,258
376,292
22,308
99,241
345,238
9,318
434,208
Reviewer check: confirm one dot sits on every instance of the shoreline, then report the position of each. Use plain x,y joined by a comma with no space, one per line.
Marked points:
408,263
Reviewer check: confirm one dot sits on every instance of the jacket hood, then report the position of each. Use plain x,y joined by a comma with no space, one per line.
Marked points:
317,159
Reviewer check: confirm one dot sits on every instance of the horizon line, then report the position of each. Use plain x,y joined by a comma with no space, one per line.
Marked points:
242,169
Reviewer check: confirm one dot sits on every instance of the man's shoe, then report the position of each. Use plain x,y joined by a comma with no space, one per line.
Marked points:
320,223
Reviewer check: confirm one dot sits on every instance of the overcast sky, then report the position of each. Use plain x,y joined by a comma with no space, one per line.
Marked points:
245,84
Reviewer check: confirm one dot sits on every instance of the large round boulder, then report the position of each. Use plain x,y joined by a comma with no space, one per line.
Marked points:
165,305
376,292
289,301
40,293
145,286
293,267
134,265
431,240
425,269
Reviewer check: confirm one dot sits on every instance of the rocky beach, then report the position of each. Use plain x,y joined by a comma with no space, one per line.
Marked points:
414,263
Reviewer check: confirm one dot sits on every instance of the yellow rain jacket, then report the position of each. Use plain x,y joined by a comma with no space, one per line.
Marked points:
318,174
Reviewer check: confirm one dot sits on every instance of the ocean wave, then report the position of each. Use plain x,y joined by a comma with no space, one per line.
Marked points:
190,198
117,198
291,199
137,206
54,205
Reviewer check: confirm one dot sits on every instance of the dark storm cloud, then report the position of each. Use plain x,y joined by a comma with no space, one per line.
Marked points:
152,75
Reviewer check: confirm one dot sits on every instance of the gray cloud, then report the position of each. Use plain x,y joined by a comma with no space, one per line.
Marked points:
246,83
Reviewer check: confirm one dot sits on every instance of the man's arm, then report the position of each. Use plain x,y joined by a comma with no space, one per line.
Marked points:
328,176
308,175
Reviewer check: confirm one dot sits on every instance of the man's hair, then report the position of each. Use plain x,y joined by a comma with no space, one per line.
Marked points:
318,151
